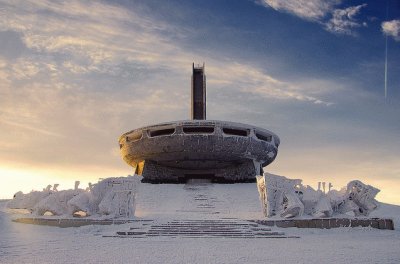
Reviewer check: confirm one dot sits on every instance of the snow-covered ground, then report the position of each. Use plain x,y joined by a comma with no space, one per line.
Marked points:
22,243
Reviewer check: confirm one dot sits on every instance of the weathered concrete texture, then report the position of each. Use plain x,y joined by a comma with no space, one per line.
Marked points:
218,150
327,223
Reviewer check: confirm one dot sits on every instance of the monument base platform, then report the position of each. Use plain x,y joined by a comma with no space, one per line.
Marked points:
324,223
327,223
198,200
69,222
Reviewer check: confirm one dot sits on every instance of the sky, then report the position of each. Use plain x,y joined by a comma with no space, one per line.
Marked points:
75,75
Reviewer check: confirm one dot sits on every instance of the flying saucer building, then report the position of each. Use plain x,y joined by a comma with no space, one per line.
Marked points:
221,151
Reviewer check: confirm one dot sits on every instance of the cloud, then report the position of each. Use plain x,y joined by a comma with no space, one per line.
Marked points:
109,33
110,41
248,79
343,20
11,45
28,127
91,71
391,28
313,10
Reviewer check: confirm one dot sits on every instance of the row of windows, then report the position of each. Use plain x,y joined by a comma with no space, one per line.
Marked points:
199,130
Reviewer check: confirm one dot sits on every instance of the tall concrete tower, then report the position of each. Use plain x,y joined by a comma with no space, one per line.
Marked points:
198,111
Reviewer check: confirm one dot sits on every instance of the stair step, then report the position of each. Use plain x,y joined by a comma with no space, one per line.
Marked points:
203,229
209,232
131,233
257,237
202,226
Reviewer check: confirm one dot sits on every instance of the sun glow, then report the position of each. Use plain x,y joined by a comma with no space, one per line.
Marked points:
14,180
28,179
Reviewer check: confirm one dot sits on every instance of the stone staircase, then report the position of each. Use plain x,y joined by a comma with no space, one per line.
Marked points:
218,228
200,199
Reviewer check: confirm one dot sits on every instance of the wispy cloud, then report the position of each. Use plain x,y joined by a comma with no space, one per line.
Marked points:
111,40
252,80
343,21
313,10
325,12
92,70
28,127
391,28
109,32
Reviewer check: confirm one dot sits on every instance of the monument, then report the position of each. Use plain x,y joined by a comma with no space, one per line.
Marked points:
211,150
220,151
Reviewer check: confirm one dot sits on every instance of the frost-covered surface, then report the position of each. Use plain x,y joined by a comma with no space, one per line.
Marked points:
22,243
288,198
113,197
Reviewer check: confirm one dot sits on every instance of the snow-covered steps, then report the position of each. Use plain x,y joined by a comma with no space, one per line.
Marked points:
222,228
197,201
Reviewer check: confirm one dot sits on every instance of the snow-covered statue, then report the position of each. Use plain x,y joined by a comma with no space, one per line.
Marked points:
114,197
28,201
315,202
363,196
56,203
280,196
83,202
262,193
358,198
287,198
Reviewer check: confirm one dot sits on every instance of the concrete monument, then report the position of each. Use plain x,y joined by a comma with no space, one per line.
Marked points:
221,151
